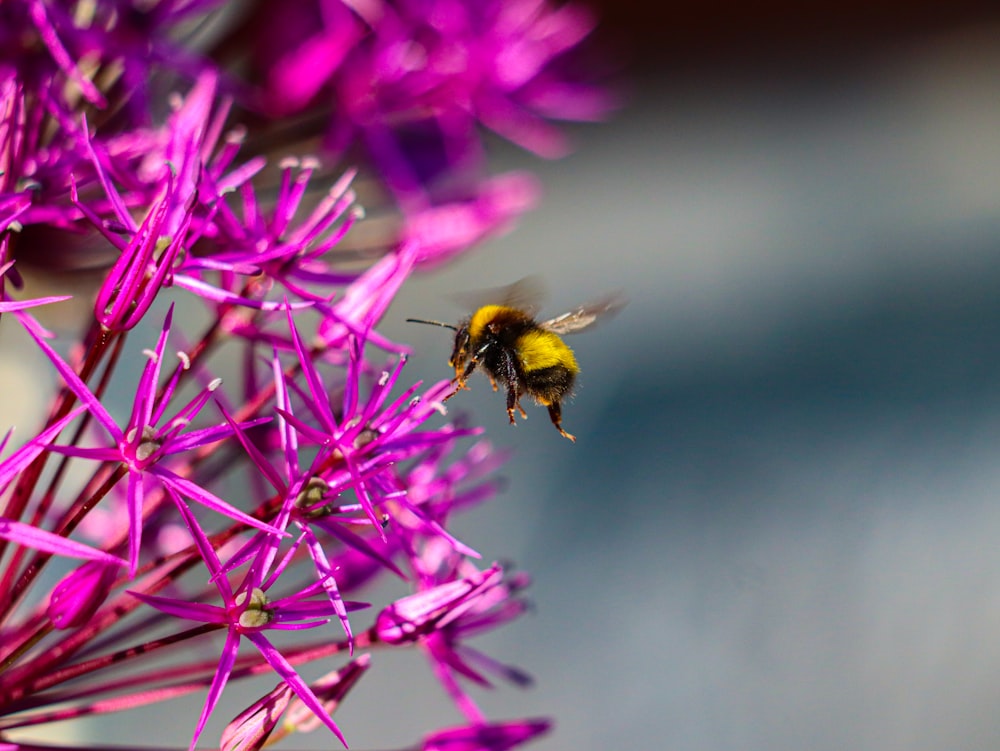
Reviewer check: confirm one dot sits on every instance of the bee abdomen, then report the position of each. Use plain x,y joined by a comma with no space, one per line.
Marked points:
550,385
539,349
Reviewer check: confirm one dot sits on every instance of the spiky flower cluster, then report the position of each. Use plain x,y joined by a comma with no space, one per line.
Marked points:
151,139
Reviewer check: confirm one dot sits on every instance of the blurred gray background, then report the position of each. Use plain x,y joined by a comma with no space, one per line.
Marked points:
778,528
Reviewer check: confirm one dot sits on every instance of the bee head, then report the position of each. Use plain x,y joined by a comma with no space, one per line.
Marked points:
460,352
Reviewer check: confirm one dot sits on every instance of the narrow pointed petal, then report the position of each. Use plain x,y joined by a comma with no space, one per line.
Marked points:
134,495
38,539
9,306
195,611
283,668
222,673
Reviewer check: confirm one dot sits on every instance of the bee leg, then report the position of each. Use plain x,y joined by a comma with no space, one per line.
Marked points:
507,373
510,412
555,414
460,379
514,402
493,381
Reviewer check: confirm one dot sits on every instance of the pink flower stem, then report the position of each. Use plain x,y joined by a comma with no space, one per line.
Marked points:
55,677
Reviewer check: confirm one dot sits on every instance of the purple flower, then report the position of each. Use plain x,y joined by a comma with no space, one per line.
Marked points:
141,271
499,736
450,63
179,172
141,446
414,82
248,612
64,49
43,45
270,247
441,617
172,166
360,445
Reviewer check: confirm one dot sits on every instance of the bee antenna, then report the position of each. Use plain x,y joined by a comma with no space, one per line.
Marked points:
432,323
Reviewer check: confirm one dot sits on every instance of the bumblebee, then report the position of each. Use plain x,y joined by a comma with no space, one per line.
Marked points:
524,355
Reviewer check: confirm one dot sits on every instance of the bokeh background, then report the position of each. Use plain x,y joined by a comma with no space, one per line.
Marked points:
779,526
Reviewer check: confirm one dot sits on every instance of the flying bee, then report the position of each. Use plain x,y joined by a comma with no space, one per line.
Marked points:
515,350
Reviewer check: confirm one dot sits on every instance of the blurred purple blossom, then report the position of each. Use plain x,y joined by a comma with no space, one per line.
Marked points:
414,83
485,737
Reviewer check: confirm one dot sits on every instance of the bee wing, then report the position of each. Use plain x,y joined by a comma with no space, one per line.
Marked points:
525,294
586,315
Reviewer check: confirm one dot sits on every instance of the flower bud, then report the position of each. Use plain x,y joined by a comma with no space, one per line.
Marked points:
499,736
250,729
78,596
419,614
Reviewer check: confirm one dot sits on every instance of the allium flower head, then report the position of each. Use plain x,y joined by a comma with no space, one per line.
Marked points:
191,187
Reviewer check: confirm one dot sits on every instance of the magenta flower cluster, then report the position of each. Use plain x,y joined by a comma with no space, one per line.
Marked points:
197,151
